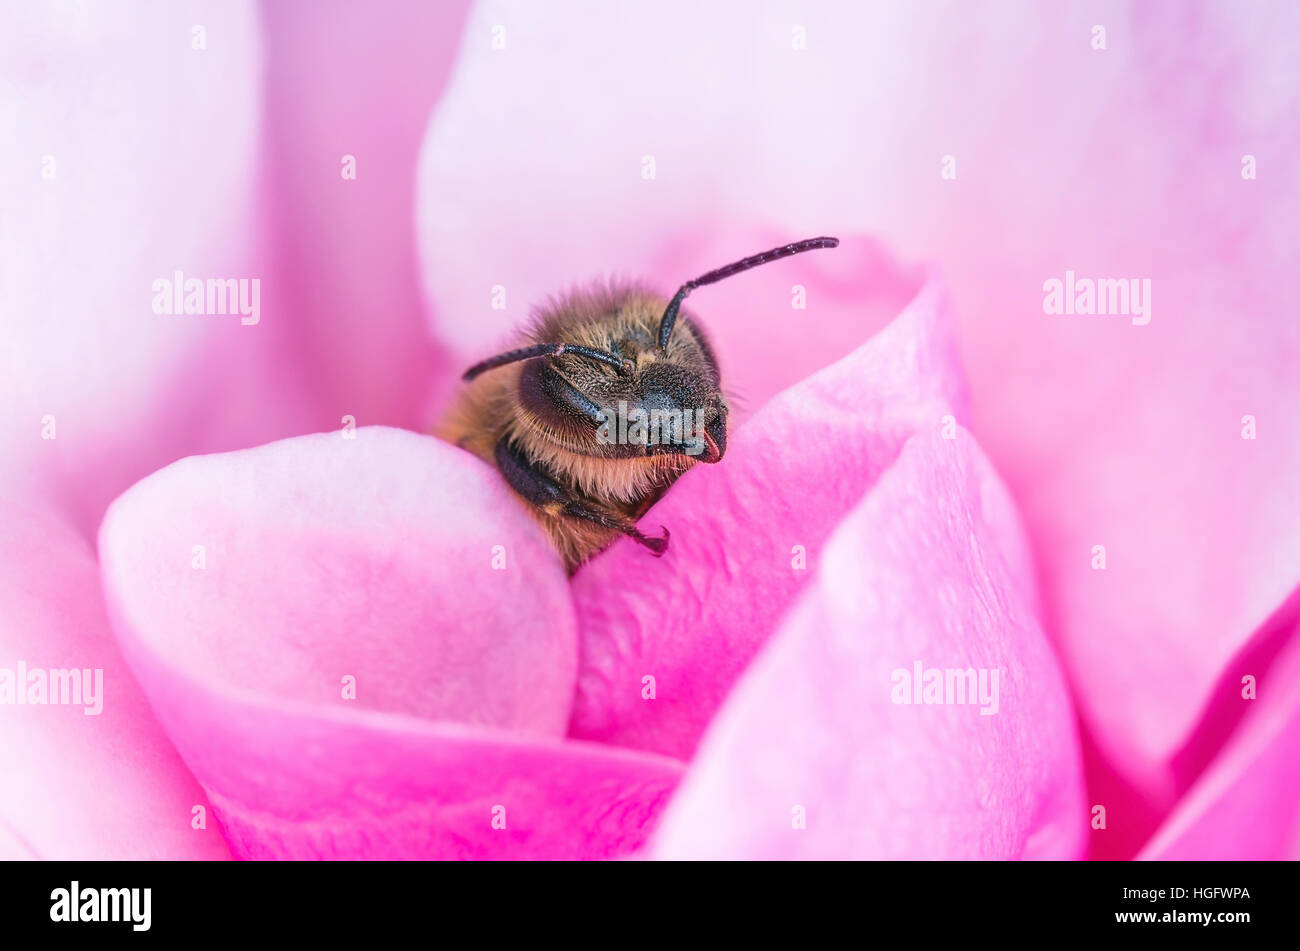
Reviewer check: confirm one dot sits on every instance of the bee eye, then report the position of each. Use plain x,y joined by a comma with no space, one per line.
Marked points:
555,400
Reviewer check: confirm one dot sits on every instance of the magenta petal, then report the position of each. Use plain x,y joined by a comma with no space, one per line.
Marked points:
406,565
107,785
1246,803
815,754
323,783
743,530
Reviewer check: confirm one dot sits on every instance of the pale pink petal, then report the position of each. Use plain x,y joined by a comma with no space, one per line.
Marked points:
161,139
503,228
816,754
389,557
395,566
133,156
349,90
747,533
79,785
1109,433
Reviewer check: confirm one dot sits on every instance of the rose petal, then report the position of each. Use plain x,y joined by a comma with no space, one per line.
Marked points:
348,96
230,168
816,754
1244,804
503,229
77,786
742,530
406,564
1120,435
133,157
390,558
316,782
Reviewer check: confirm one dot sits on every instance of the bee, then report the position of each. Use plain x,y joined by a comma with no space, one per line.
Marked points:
609,396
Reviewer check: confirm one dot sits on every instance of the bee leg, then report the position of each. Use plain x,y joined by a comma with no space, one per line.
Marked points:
539,489
625,525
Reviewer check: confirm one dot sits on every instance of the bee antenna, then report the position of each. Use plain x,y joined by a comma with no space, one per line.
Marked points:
542,350
670,313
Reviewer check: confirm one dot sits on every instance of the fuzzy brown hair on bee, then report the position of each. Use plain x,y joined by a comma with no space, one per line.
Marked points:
606,399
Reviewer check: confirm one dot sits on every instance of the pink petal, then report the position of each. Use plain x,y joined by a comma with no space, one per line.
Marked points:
326,557
930,568
79,786
369,558
1131,436
304,782
693,619
219,162
1244,803
344,83
148,175
503,229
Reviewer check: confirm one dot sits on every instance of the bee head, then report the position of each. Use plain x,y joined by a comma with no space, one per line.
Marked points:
645,393
652,404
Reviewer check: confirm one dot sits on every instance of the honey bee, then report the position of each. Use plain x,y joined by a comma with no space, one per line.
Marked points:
610,395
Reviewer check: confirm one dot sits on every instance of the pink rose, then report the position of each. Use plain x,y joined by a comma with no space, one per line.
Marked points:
357,643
